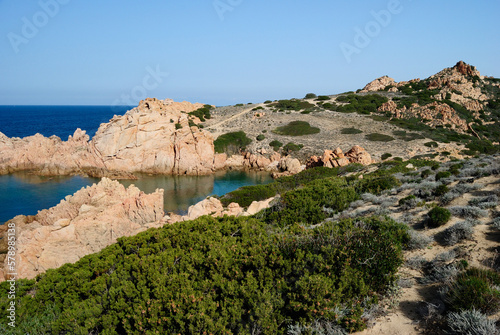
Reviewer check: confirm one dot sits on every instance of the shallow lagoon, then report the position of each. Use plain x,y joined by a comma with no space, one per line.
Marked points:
25,193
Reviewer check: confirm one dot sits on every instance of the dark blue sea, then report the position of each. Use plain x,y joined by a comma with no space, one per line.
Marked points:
26,194
62,121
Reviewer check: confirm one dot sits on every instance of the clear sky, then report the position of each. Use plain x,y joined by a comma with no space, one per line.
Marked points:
231,51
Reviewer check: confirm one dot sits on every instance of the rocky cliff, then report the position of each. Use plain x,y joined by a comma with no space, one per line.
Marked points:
158,136
83,223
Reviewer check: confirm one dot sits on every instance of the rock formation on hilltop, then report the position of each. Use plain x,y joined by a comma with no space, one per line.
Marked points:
83,223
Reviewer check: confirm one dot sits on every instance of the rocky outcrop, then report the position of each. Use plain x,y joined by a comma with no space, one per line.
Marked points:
433,114
83,223
52,156
378,84
337,158
213,206
155,137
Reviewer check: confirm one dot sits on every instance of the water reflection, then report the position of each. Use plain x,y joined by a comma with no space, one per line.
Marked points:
25,193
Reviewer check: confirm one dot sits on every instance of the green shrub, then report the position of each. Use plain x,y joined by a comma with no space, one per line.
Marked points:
362,104
323,98
348,131
275,145
441,190
178,126
310,96
431,144
376,184
442,175
228,275
385,156
260,137
379,137
475,288
408,202
202,113
293,104
289,147
296,128
267,101
438,216
425,173
231,143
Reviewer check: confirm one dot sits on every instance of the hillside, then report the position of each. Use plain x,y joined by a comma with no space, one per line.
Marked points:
455,112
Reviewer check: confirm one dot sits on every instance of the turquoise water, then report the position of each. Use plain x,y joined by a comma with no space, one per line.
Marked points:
26,194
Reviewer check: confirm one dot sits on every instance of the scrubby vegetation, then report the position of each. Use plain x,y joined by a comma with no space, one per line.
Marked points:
293,104
349,131
321,259
379,137
231,143
362,104
297,128
202,113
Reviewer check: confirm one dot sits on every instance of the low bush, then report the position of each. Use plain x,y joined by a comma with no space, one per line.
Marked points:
442,174
468,212
475,288
293,104
323,98
231,143
202,113
275,145
350,131
408,202
310,96
376,184
418,240
385,156
417,262
438,216
431,144
490,201
260,137
297,128
376,137
291,147
440,190
458,232
470,322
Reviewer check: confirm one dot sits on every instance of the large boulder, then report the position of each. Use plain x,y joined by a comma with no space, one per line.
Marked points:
156,137
84,223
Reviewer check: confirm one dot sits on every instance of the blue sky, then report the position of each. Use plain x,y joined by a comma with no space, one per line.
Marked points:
231,51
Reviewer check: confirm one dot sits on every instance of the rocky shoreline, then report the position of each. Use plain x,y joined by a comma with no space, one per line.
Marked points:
157,137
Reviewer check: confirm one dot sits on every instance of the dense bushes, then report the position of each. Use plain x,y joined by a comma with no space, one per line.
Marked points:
297,128
202,113
275,145
363,104
438,216
349,131
224,276
475,288
231,143
379,137
293,104
290,146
